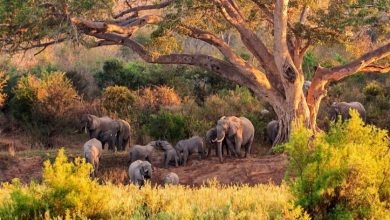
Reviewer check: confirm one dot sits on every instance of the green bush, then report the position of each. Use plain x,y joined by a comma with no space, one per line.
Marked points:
169,126
372,90
342,174
45,106
118,101
309,65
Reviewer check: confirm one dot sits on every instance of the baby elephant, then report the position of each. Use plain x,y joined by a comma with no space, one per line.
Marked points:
189,146
92,154
139,152
170,153
211,135
139,171
171,178
272,131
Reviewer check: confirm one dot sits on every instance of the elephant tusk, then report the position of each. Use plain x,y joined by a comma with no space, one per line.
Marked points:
218,140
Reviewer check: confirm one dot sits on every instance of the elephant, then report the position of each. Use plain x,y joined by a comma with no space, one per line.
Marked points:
124,135
108,137
211,135
306,86
138,152
189,146
238,132
170,153
272,131
95,125
139,171
92,154
171,179
342,108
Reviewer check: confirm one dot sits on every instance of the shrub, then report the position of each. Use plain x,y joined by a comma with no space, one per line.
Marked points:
342,174
67,192
309,65
157,97
118,100
168,126
3,81
372,90
45,105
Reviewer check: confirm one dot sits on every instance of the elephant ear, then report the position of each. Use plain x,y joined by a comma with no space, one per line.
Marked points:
92,122
234,126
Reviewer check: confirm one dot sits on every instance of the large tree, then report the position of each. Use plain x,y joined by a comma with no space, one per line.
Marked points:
276,76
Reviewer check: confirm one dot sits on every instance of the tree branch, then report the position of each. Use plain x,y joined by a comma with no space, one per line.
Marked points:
362,63
127,29
143,8
252,42
224,69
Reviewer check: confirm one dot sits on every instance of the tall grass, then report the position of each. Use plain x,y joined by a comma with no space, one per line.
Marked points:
67,192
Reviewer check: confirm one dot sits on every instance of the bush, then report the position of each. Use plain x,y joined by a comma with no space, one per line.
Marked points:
168,126
118,101
342,174
67,192
372,90
45,105
3,81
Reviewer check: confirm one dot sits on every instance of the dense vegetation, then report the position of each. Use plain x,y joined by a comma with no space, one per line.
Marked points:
342,174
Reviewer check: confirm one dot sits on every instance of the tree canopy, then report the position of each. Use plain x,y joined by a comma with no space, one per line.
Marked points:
276,34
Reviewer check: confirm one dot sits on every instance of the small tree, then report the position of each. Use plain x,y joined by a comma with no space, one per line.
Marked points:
46,105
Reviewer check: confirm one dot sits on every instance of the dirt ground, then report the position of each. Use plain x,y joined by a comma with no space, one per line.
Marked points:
27,165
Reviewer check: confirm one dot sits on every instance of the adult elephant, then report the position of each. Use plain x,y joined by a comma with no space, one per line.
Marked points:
210,143
237,132
98,127
343,108
124,135
272,131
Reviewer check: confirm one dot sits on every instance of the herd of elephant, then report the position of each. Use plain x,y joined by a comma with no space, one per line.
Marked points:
230,133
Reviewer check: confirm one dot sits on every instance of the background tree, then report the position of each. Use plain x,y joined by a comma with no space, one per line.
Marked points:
276,74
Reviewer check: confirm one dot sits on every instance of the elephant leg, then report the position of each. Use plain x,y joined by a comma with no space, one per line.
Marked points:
209,152
167,159
164,159
238,143
176,162
185,157
219,153
125,144
231,147
248,147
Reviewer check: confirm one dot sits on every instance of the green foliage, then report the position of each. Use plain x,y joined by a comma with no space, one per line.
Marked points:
3,95
67,192
168,126
309,65
45,105
118,100
372,90
342,174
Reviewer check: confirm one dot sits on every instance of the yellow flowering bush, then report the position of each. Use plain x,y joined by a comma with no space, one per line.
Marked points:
67,192
342,174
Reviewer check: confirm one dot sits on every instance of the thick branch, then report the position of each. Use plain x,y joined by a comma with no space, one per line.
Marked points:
127,29
230,55
143,8
362,63
253,43
224,69
323,76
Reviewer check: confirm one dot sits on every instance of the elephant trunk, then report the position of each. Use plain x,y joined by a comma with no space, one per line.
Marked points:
220,135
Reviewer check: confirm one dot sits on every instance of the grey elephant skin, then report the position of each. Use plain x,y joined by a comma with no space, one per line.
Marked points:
305,87
170,153
139,171
108,137
124,135
210,142
272,131
139,152
193,145
92,154
342,108
238,132
171,179
100,127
